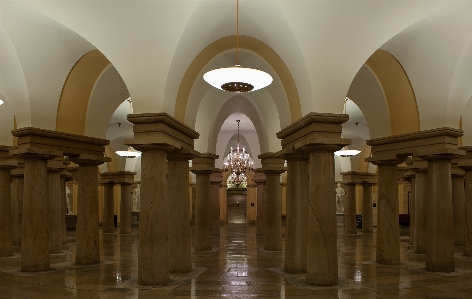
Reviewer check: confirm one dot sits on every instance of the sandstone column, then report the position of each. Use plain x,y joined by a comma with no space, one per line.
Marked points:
458,205
466,164
260,180
64,178
108,207
55,210
35,234
350,221
296,222
367,208
7,163
17,177
421,199
180,235
273,167
155,135
203,166
125,208
319,135
410,176
440,228
216,180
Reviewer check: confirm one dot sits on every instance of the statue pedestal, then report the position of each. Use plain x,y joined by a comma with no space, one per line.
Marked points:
135,218
340,219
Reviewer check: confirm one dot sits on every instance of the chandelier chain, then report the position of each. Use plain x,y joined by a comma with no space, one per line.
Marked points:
237,32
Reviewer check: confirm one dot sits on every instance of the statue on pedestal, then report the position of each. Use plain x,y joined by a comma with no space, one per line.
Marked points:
339,198
136,198
69,210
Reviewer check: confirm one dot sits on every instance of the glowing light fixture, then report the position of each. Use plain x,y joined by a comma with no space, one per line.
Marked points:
1,102
345,151
131,152
238,160
237,78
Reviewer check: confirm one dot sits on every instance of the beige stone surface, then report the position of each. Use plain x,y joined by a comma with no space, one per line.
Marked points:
17,184
88,243
180,236
458,207
125,208
203,217
260,180
5,213
55,211
216,180
64,177
468,213
350,221
440,236
367,209
296,221
322,256
421,197
108,208
388,232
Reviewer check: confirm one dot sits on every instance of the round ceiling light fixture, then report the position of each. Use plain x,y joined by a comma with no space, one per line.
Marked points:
345,151
130,153
237,78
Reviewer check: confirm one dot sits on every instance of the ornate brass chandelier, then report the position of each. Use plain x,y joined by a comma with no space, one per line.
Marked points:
238,162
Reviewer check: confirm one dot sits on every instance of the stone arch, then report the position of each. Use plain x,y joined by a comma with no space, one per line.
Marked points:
227,43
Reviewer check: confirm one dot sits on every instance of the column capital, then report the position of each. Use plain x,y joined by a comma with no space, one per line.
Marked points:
291,154
259,177
271,164
86,159
57,164
204,163
357,177
216,178
118,177
183,154
31,153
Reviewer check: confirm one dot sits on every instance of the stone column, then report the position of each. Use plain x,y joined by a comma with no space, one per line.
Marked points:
458,205
17,177
216,180
125,208
468,209
296,222
260,180
350,221
367,208
203,166
64,178
180,235
421,198
35,233
55,210
440,228
87,232
5,206
410,176
108,208
273,167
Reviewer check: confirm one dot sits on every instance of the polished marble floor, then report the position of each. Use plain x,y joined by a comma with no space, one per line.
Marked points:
238,267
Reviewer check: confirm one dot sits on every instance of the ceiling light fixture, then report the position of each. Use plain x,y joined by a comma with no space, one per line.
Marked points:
238,161
345,151
131,152
1,102
237,78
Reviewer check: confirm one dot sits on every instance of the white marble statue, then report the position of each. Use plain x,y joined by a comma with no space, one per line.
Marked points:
339,198
136,198
69,210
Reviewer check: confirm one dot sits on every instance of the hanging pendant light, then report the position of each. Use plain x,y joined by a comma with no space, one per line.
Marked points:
238,160
345,151
237,78
131,152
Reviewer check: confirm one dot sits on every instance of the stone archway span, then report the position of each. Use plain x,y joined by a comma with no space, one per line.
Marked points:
227,43
242,105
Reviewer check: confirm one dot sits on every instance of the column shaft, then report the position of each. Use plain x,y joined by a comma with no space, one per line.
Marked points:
458,205
5,214
215,208
295,228
63,211
322,256
440,239
350,221
202,239
273,213
260,210
88,244
468,213
55,212
108,208
180,240
367,209
412,211
153,223
35,234
17,208
125,209
421,194
388,232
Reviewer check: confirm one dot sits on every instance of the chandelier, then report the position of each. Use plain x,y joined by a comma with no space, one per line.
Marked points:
131,152
345,151
237,78
237,180
238,161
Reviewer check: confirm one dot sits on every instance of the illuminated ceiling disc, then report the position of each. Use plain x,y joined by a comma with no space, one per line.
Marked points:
346,153
128,154
237,79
